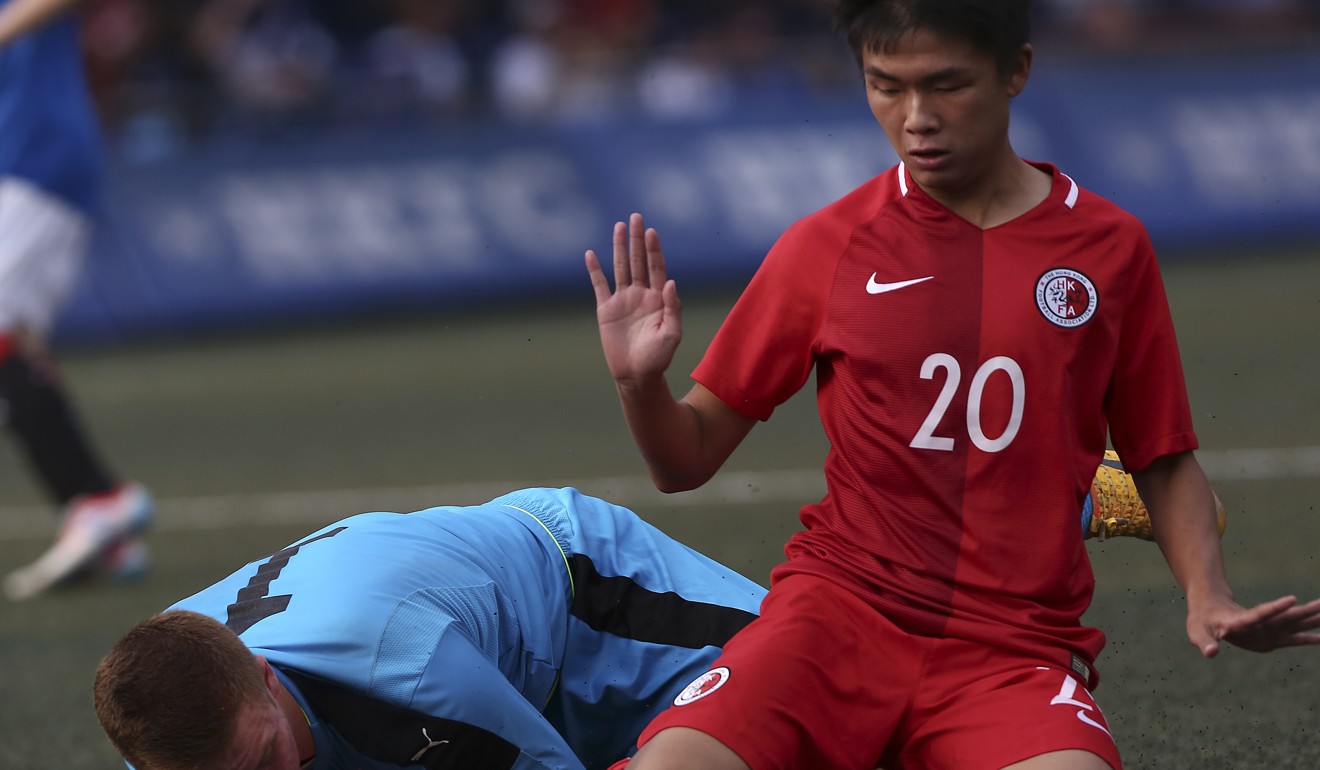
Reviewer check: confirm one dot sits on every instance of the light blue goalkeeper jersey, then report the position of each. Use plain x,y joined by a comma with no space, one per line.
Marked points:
48,130
541,630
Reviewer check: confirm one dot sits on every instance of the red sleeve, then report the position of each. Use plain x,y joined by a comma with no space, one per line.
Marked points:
1149,415
765,350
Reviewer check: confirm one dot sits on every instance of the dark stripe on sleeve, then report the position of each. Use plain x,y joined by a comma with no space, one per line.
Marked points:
254,604
395,735
619,606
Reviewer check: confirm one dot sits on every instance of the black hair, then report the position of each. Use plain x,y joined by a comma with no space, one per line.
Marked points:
996,27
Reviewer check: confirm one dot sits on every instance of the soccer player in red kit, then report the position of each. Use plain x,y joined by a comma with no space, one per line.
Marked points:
979,326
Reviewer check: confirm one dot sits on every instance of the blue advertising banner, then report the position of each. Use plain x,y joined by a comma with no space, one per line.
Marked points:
1203,151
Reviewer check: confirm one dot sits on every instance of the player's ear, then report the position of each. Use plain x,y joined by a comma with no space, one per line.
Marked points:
268,676
1019,71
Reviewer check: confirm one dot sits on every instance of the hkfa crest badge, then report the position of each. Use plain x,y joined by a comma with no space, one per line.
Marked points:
1066,297
702,686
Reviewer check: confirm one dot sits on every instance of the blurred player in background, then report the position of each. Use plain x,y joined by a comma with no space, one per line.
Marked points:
49,176
979,326
543,629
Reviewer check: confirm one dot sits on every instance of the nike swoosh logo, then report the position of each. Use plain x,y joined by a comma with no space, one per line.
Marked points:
875,287
1082,715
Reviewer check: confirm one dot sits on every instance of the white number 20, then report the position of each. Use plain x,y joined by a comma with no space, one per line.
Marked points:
926,438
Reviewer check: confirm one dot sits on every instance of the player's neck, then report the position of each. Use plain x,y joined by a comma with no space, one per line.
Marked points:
1006,191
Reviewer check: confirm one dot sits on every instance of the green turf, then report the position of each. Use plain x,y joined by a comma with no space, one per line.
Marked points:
524,398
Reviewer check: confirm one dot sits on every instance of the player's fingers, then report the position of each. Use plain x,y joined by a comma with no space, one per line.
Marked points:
600,285
1265,642
1308,611
1296,619
656,258
1307,624
1261,628
1311,608
622,271
1264,612
637,249
673,308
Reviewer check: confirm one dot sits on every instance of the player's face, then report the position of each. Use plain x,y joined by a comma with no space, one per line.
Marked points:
263,740
945,106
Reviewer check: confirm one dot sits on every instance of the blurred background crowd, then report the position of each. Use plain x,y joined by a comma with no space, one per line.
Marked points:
169,72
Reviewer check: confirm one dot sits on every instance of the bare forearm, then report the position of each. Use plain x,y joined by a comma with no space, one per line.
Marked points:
665,431
1182,509
1182,514
683,441
19,17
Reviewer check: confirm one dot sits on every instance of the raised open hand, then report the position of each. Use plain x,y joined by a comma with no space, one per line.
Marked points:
640,325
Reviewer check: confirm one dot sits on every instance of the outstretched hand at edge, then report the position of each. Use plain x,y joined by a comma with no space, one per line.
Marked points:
1267,626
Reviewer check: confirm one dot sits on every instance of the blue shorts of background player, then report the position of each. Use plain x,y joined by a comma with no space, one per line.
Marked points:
543,629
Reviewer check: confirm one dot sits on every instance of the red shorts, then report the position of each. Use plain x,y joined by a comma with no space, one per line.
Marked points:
821,680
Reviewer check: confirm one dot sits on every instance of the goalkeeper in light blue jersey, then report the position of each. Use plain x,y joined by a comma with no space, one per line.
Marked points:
543,629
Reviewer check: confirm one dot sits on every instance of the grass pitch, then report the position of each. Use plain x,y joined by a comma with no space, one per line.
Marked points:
252,441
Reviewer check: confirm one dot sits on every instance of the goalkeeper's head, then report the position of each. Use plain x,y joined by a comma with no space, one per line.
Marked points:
180,690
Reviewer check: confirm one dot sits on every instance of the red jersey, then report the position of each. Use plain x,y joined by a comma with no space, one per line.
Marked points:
966,379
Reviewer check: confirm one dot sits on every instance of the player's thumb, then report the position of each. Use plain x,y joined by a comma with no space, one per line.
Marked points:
1205,637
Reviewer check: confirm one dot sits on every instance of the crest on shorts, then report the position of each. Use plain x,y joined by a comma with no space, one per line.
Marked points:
1066,297
702,686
